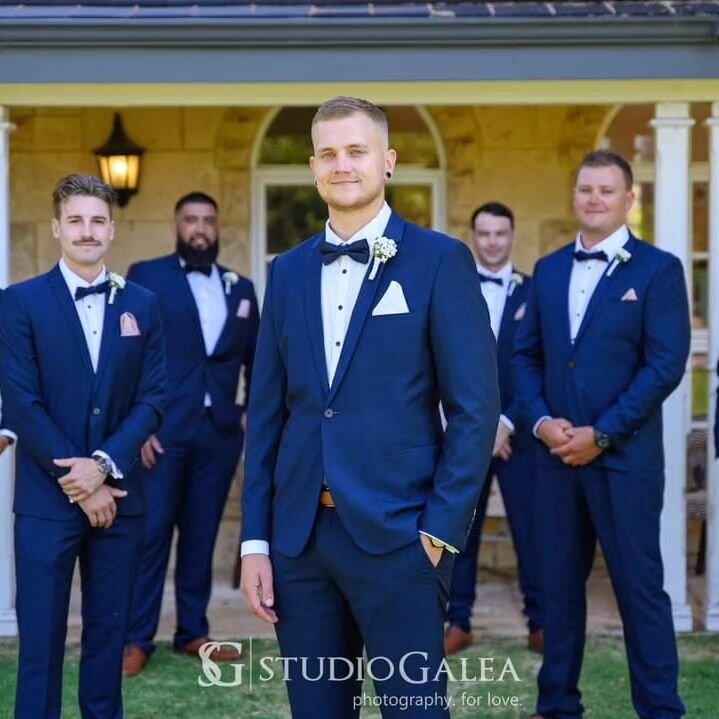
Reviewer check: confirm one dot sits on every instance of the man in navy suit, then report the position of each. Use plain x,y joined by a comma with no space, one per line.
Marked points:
82,369
505,291
351,486
604,342
210,319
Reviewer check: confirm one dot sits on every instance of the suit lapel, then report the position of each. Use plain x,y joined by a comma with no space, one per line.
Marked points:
368,291
598,294
564,274
69,312
232,303
179,276
110,333
312,279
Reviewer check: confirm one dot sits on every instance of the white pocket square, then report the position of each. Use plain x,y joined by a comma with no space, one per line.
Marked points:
521,310
630,295
392,302
243,309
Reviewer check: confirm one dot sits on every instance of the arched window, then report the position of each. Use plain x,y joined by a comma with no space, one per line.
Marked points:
286,208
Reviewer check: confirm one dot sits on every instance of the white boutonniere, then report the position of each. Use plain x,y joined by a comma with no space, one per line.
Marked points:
621,258
117,283
230,279
383,249
516,280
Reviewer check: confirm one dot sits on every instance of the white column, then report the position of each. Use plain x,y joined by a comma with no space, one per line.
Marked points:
672,125
711,612
8,623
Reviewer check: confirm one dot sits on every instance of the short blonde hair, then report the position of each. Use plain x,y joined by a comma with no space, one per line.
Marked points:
340,107
84,185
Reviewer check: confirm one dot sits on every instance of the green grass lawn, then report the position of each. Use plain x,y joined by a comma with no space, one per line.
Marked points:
169,686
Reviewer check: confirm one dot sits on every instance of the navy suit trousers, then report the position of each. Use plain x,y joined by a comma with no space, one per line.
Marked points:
187,489
516,482
46,552
576,507
334,598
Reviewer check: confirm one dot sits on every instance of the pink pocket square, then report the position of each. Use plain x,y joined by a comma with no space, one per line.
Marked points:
520,311
630,296
243,309
128,325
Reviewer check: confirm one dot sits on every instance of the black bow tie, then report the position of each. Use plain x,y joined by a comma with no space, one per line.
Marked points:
100,289
489,278
358,251
204,269
582,256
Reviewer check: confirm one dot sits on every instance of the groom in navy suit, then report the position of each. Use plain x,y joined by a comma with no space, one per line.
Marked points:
351,486
210,320
505,291
604,342
82,370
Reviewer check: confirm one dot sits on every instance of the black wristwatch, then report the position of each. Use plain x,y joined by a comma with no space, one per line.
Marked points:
103,464
602,440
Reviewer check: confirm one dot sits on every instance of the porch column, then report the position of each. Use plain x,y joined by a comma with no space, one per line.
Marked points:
672,125
711,611
8,623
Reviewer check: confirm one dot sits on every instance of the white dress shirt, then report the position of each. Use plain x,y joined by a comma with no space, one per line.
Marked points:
209,294
584,279
91,312
586,275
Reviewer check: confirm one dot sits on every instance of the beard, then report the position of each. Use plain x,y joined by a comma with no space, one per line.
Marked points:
204,257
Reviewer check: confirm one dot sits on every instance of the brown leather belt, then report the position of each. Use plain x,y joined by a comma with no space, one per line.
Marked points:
326,498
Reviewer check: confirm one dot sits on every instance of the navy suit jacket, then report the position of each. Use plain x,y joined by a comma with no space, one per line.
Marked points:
626,359
515,307
59,407
190,372
376,433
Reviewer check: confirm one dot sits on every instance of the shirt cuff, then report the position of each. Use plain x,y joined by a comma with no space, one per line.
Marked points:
448,547
9,434
537,423
115,473
507,422
254,546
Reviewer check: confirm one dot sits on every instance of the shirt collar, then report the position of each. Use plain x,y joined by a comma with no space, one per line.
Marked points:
610,245
371,231
74,281
504,274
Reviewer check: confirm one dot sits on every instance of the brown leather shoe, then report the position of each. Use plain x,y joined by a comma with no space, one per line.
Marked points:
133,660
535,643
455,640
223,653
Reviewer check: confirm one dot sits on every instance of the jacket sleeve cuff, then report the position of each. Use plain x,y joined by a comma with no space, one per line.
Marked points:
9,434
507,422
537,423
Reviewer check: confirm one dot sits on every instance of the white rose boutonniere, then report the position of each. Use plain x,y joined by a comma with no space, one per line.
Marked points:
383,249
621,258
516,280
230,279
117,284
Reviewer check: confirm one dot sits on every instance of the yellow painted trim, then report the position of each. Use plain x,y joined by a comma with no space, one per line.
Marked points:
427,93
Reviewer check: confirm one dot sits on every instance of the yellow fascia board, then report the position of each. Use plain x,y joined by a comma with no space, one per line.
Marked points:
425,93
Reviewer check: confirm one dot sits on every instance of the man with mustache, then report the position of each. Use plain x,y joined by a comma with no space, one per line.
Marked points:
210,319
82,368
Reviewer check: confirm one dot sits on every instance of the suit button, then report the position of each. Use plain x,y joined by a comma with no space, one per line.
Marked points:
329,413
570,364
96,411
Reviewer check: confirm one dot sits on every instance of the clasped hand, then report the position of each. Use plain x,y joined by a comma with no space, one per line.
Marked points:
575,446
85,484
